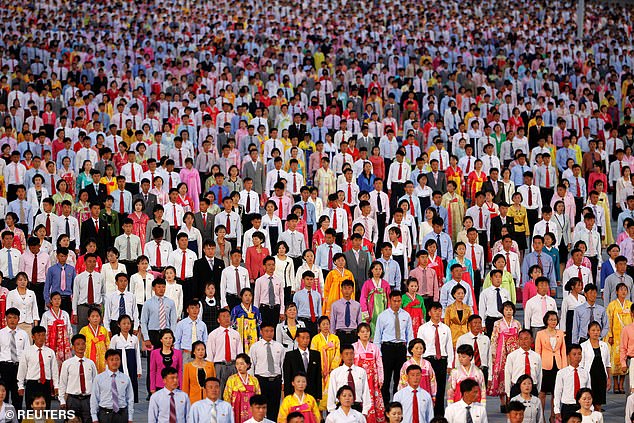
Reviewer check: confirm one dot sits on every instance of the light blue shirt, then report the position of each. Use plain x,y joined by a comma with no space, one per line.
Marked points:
573,186
548,268
14,206
102,393
563,154
322,253
445,249
159,409
581,320
66,153
517,174
127,201
150,315
447,299
183,334
425,405
386,332
201,412
303,305
310,209
392,272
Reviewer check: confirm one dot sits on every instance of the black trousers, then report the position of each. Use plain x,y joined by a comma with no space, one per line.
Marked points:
80,404
67,304
108,416
11,192
130,266
394,355
567,410
381,220
440,369
9,375
132,187
488,324
173,233
547,194
578,207
271,388
398,190
347,337
477,283
34,387
594,264
188,291
270,315
38,290
233,300
310,325
10,284
533,218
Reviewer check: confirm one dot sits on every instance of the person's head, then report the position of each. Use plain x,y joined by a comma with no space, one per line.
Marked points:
299,382
542,284
113,360
258,405
574,355
525,339
212,388
515,409
394,412
347,354
243,363
465,354
590,292
435,311
303,338
224,318
170,378
551,319
470,390
38,334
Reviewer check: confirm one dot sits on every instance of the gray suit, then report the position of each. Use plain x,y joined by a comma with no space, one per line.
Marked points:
205,230
149,204
360,269
257,174
441,185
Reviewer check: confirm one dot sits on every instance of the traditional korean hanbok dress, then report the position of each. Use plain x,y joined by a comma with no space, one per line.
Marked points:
306,404
247,323
139,225
328,348
97,342
58,333
130,359
459,374
369,358
415,306
238,392
332,287
455,213
455,174
504,340
81,211
3,305
474,184
428,379
374,300
192,178
467,277
619,316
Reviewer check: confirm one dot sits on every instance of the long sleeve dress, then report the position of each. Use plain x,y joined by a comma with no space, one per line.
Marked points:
328,348
619,316
238,392
369,358
504,340
428,379
306,404
97,342
374,300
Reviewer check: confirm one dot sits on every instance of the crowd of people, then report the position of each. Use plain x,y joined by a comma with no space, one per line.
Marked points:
269,211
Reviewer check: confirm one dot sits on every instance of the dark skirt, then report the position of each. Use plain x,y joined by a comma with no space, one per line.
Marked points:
548,379
563,251
520,238
130,356
274,234
570,314
598,378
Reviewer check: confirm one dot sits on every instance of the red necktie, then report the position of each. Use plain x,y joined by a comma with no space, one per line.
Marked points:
238,287
121,203
527,364
349,192
158,255
305,211
400,171
437,343
481,219
330,258
42,369
440,155
312,306
158,151
228,223
474,261
180,158
530,196
248,204
578,188
508,262
97,226
173,416
577,383
468,166
174,205
34,274
547,177
48,225
580,274
476,353
120,121
334,219
227,346
82,376
351,382
547,228
280,209
183,265
411,206
152,179
91,290
415,417
133,174
205,218
169,175
53,190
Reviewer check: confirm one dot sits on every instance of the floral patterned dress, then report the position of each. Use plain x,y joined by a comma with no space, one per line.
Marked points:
238,392
428,379
247,323
328,348
416,308
504,340
58,333
369,358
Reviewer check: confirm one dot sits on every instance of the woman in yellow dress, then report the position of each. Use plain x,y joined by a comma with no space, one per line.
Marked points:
97,339
300,401
457,314
240,388
603,202
246,319
327,344
332,285
619,316
109,179
520,219
453,202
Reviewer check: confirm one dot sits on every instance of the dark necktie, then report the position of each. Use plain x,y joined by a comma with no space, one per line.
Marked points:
347,315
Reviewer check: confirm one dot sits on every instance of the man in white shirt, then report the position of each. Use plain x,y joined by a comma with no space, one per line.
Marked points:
232,279
129,246
31,379
222,353
260,407
568,382
492,299
267,356
13,342
355,377
480,342
118,303
537,306
88,290
75,380
467,409
522,361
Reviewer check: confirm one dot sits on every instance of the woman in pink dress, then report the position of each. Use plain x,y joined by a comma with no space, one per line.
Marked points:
190,176
67,174
368,356
374,295
184,199
416,349
139,220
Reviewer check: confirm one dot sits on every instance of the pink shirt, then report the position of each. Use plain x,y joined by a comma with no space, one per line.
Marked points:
627,344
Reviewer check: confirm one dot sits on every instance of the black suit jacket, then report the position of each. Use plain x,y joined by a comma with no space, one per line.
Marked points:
293,364
203,273
205,230
534,134
497,198
293,131
149,204
89,231
496,228
359,269
97,197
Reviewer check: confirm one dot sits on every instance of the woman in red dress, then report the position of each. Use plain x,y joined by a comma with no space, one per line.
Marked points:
474,181
320,234
139,220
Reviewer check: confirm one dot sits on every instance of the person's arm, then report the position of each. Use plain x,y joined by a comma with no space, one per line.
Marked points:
94,400
559,389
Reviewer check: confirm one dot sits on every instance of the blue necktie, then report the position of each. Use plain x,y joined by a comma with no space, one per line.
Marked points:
10,264
347,316
121,305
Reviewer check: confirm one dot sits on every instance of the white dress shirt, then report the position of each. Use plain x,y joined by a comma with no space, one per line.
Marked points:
427,332
484,346
457,412
59,228
565,388
69,379
111,309
259,358
164,249
121,244
228,282
515,365
488,305
29,368
22,342
15,261
216,344
80,289
534,311
339,378
176,260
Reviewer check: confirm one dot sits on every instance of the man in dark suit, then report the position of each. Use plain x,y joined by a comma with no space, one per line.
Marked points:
96,191
147,197
204,221
253,168
297,129
536,132
358,262
306,361
495,186
207,269
97,229
502,220
436,179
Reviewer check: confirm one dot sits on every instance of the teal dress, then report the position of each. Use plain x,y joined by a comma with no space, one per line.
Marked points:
83,181
554,254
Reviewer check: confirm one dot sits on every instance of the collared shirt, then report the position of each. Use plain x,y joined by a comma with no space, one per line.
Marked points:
69,377
165,250
43,263
392,272
160,406
446,299
127,201
228,282
29,368
111,309
445,249
386,330
235,230
427,332
303,305
216,344
565,388
80,289
15,261
457,412
260,360
54,280
338,314
548,268
534,313
27,305
296,242
59,227
185,329
515,365
425,405
176,260
488,304
22,342
150,315
102,393
261,291
121,244
170,208
583,315
201,410
339,378
484,346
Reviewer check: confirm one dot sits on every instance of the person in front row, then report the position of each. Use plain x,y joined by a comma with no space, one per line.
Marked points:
112,398
212,406
417,403
169,401
468,409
